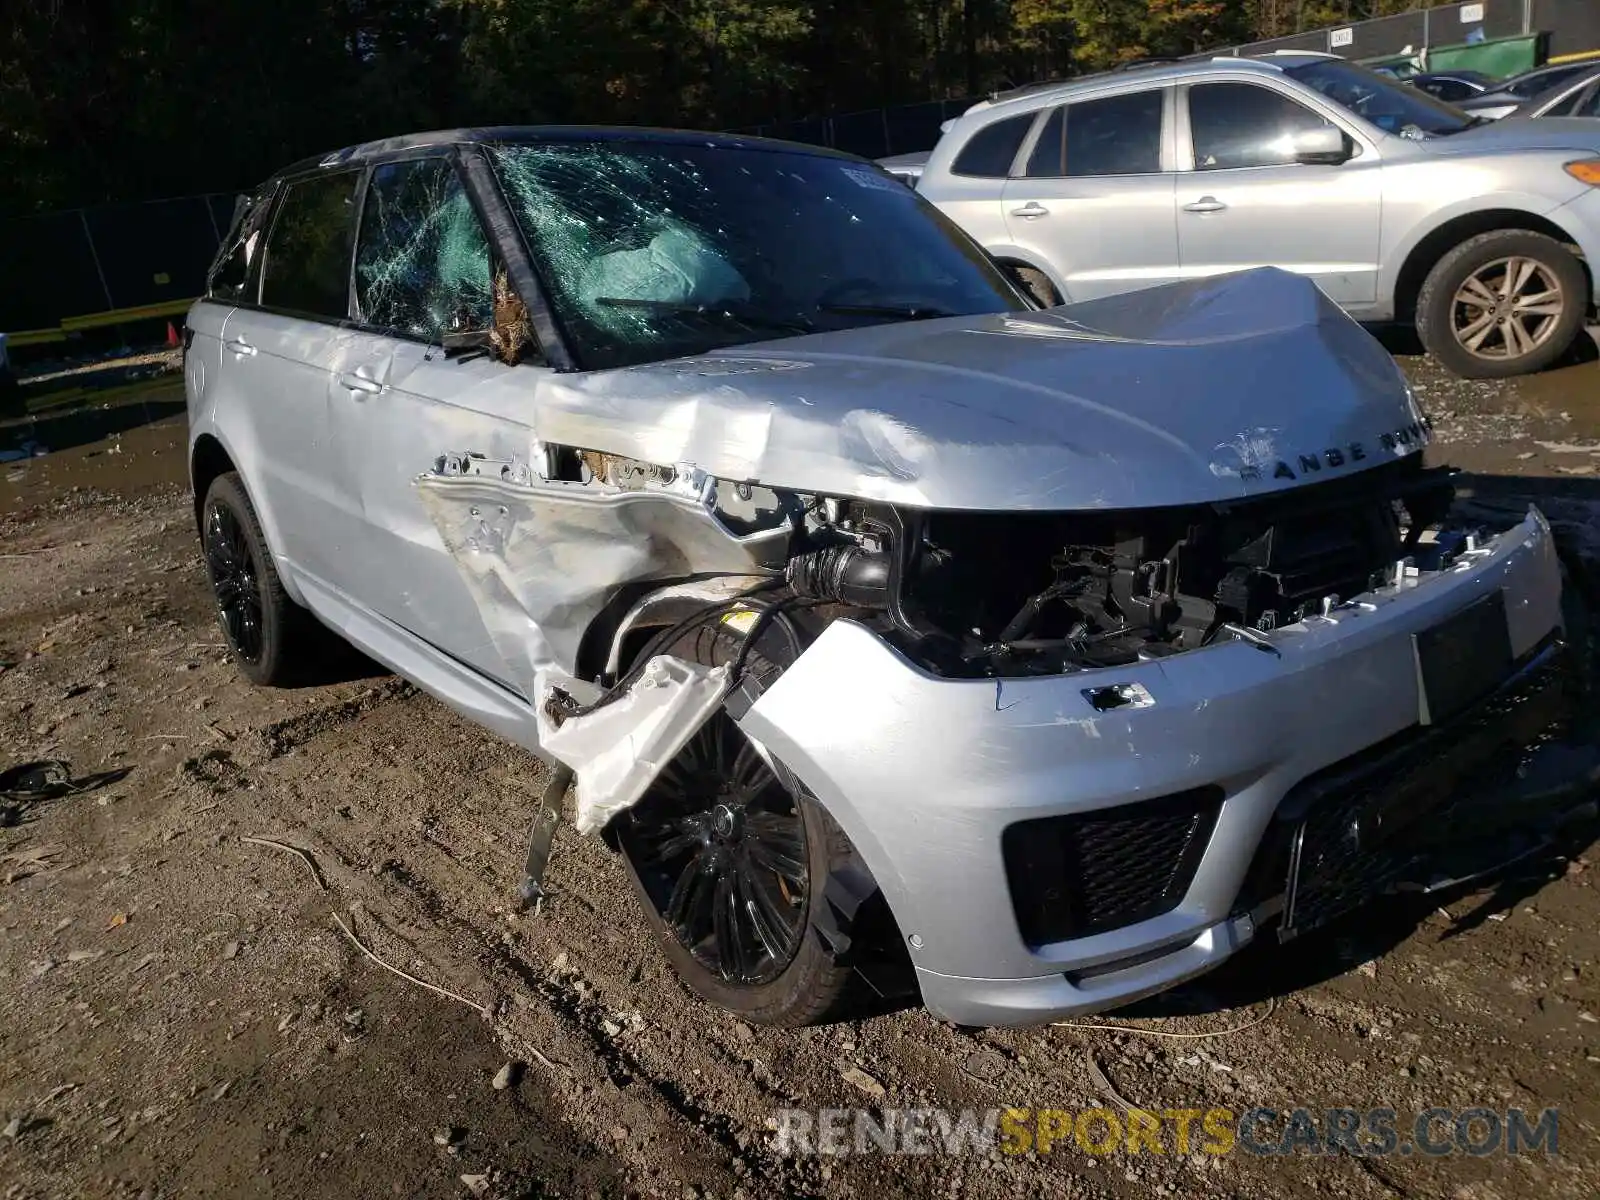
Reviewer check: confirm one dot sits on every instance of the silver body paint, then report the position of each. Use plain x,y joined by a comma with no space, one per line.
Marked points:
415,520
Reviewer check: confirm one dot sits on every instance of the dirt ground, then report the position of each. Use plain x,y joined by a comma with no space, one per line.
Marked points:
180,1015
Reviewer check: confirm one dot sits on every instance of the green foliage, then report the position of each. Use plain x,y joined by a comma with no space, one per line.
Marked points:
144,98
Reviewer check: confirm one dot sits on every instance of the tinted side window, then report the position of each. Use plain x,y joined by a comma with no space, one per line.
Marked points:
1543,81
992,149
1120,135
1589,106
1567,106
422,260
1452,90
307,265
1242,125
231,270
1048,152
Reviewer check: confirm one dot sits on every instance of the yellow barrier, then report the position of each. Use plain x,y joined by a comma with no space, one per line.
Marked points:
1578,57
35,337
116,316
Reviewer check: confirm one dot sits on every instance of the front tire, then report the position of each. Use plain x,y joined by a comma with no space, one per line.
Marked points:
731,859
262,625
1507,302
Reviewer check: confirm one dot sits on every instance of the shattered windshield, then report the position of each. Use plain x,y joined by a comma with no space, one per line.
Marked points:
653,251
1391,106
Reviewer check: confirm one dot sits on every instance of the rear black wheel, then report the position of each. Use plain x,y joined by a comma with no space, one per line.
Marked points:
731,859
260,622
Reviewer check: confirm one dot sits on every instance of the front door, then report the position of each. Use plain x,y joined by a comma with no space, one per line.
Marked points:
1095,198
1248,203
399,399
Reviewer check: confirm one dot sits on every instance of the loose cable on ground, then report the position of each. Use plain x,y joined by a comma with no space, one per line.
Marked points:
316,874
1272,1004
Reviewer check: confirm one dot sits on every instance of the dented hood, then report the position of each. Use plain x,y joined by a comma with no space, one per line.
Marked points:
1208,390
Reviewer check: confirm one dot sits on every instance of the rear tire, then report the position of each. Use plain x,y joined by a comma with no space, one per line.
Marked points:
263,627
1507,302
758,939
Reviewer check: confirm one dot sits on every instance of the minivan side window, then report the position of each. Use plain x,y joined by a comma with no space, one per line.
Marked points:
990,152
422,260
1117,135
307,264
1243,125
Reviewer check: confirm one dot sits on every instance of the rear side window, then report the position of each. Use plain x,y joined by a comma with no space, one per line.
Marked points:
231,271
1119,135
1567,106
1242,125
307,264
1589,106
1451,90
1543,81
422,260
991,151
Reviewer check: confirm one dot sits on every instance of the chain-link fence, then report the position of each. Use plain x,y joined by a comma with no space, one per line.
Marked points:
873,132
67,265
1573,26
87,264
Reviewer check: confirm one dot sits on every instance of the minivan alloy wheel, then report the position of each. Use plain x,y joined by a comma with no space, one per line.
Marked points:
1507,308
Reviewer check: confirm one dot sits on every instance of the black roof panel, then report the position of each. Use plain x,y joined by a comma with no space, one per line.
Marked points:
383,147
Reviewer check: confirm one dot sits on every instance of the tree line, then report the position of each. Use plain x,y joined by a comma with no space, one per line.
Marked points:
137,99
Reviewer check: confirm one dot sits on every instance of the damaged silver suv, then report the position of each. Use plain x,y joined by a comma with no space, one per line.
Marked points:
894,631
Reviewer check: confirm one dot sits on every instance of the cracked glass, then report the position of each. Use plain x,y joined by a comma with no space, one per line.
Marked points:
657,249
422,259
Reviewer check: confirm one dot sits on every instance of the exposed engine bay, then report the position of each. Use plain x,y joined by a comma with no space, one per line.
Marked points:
976,595
1024,594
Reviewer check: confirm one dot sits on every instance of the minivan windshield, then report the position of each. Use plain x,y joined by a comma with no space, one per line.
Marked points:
1391,106
654,250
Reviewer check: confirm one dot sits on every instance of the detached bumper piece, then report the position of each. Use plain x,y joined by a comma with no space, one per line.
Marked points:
1403,814
1085,873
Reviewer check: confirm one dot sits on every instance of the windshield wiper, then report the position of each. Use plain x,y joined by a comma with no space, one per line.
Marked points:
467,344
794,324
910,312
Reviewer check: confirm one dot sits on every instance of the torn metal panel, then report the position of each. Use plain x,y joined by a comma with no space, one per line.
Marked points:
618,749
543,558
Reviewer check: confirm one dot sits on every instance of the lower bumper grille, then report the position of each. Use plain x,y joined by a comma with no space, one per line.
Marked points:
1086,873
1352,832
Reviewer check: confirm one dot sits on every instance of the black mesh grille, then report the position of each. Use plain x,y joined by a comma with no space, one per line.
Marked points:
1365,824
1085,873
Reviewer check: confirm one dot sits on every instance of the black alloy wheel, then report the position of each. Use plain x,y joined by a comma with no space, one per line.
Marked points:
721,853
235,579
267,632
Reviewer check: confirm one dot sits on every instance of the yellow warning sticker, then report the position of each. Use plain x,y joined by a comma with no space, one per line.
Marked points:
740,620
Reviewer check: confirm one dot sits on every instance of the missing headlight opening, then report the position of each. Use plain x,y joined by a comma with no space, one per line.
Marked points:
1003,595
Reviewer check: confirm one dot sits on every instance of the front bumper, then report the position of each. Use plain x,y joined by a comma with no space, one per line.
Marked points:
1580,218
926,774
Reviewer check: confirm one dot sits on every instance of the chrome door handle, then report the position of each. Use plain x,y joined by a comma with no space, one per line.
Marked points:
360,383
240,347
1030,210
1206,204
